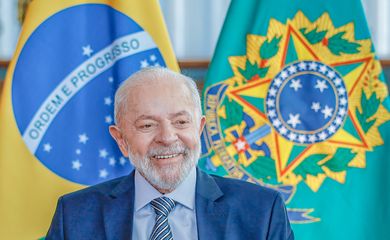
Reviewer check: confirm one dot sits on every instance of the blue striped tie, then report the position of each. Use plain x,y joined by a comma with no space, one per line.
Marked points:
162,206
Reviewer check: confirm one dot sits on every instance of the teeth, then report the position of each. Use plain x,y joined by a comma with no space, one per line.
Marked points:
166,156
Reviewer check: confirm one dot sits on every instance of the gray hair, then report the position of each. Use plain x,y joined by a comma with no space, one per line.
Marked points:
152,74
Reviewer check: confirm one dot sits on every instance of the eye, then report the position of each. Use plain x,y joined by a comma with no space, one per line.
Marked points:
181,123
146,126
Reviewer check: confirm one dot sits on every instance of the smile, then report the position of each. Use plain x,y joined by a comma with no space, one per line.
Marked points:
166,156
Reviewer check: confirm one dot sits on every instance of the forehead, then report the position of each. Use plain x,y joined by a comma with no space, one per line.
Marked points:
159,98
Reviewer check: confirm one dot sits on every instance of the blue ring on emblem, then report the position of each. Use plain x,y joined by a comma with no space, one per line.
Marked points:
73,109
307,102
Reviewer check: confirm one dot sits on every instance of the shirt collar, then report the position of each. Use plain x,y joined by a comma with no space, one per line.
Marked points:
183,194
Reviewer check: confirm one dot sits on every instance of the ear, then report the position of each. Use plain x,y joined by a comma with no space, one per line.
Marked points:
202,124
119,138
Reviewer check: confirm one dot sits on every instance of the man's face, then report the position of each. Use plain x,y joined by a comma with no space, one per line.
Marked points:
160,133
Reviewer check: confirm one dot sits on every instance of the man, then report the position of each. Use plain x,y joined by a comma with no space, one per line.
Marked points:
158,125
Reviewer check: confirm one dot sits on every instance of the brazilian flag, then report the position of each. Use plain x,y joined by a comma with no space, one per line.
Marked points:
295,100
57,102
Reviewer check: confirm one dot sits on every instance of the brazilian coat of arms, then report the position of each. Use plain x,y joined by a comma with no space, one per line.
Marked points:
304,104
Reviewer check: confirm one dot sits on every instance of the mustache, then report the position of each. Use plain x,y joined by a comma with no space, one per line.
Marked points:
173,149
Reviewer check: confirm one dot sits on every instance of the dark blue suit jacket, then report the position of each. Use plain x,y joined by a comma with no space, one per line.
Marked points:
225,209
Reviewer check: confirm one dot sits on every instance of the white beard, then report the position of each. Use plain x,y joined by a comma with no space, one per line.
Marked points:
169,177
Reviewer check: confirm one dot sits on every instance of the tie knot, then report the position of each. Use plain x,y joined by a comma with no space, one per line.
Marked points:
162,205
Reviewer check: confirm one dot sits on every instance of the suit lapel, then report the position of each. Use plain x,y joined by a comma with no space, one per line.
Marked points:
118,210
211,215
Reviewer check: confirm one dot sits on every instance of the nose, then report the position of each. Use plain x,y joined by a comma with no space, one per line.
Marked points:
167,135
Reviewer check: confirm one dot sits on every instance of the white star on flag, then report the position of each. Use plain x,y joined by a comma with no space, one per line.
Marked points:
284,74
315,106
277,123
83,138
292,69
78,151
87,50
321,85
343,101
293,120
302,66
295,84
272,113
292,136
278,82
103,153
327,111
107,101
103,173
283,130
108,119
331,74
313,66
157,65
76,165
323,69
341,90
270,102
272,92
110,79
47,147
144,63
122,161
111,161
338,121
342,111
337,81
322,135
331,129
302,138
312,138
153,58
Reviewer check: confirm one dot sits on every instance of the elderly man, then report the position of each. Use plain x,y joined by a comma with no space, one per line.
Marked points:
158,126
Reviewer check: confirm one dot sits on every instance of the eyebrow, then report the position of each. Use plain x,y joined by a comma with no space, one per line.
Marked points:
172,115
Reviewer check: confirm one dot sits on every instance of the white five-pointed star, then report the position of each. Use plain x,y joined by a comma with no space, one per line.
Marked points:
302,66
157,65
343,101
313,66
272,113
78,151
292,136
322,135
107,101
312,138
47,147
338,121
110,79
341,90
342,111
144,63
323,69
103,153
302,138
103,173
122,161
83,138
327,111
332,129
292,69
277,123
337,81
278,82
76,165
87,50
295,84
108,119
270,102
293,120
153,57
283,130
315,106
321,85
284,74
331,74
272,92
111,161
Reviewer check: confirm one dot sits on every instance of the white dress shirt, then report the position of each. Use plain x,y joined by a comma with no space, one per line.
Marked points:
182,218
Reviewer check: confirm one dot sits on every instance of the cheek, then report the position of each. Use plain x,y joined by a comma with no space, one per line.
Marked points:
190,139
139,144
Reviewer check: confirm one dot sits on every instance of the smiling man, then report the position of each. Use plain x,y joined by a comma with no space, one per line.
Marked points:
158,125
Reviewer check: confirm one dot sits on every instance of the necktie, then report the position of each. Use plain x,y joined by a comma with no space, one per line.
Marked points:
162,206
